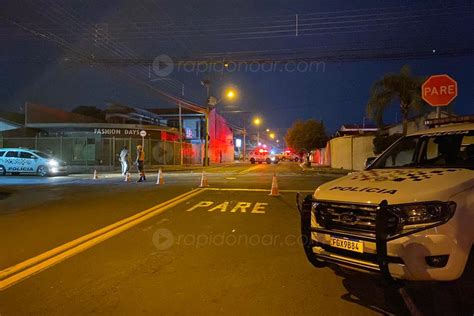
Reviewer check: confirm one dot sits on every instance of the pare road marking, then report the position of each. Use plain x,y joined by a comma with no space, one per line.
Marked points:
226,206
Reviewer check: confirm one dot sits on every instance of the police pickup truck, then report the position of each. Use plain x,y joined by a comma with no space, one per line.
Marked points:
20,161
409,215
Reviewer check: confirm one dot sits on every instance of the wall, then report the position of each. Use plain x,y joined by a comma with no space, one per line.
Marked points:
321,157
351,152
221,146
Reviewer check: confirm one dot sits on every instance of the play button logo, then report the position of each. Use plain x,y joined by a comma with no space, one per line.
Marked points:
163,239
162,65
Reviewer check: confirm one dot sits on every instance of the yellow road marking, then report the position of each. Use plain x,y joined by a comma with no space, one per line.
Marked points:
200,204
242,206
248,169
258,208
257,190
27,268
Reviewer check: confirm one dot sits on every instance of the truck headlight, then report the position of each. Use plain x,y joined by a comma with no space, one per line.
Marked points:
424,213
53,163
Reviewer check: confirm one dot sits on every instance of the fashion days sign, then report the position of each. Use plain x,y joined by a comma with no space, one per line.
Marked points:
122,132
230,207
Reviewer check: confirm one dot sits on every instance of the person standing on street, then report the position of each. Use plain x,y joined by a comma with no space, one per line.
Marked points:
124,160
140,163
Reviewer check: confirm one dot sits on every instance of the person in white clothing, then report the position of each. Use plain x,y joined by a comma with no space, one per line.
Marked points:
124,160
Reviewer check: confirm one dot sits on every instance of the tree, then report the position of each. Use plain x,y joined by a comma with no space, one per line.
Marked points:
306,136
91,111
382,142
401,87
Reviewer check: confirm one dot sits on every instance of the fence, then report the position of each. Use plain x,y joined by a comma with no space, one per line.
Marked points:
88,151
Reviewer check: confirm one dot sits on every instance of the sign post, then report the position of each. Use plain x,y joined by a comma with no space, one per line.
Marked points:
439,90
143,134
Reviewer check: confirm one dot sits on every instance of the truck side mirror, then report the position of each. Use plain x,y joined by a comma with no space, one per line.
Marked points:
369,161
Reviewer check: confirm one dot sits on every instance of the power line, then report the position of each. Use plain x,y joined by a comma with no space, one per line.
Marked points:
185,103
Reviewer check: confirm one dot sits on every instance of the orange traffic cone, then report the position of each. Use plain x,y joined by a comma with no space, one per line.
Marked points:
274,190
204,182
96,177
128,177
160,179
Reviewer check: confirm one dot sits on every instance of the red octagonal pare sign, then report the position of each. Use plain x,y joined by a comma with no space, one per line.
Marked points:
439,90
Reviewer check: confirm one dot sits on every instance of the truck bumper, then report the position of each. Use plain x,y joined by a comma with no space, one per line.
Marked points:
405,256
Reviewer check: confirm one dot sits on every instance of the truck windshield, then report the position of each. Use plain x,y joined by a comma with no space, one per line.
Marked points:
451,149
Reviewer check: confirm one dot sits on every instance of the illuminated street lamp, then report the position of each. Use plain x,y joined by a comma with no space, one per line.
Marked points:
257,121
268,130
230,94
272,135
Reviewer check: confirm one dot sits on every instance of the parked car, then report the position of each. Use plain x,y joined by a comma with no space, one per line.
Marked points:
26,161
288,155
408,216
261,155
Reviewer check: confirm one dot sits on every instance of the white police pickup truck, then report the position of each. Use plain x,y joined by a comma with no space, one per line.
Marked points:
19,160
409,215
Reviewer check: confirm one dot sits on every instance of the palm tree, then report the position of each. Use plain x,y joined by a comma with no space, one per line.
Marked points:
401,87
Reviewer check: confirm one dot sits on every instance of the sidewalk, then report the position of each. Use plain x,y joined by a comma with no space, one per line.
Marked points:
152,168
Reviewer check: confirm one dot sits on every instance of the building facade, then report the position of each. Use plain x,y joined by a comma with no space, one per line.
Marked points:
88,141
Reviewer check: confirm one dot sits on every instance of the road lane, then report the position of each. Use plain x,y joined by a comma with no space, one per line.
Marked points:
236,252
38,219
209,259
21,271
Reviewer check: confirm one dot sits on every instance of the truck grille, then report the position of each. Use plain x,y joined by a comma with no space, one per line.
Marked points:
346,216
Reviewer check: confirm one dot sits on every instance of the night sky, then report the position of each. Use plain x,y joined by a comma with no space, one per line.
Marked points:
356,41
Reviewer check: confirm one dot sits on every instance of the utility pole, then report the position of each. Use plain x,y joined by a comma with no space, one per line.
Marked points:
206,139
180,129
245,134
205,163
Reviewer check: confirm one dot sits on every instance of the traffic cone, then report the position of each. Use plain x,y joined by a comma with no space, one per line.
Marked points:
204,182
160,179
128,178
96,177
274,190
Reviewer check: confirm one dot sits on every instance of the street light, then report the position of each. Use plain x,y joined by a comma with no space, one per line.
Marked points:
268,130
230,94
272,135
257,121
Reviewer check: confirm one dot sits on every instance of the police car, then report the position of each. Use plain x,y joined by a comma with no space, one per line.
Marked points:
21,161
261,155
409,215
288,155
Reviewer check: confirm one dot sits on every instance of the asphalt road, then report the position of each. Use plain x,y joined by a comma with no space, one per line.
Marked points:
73,245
